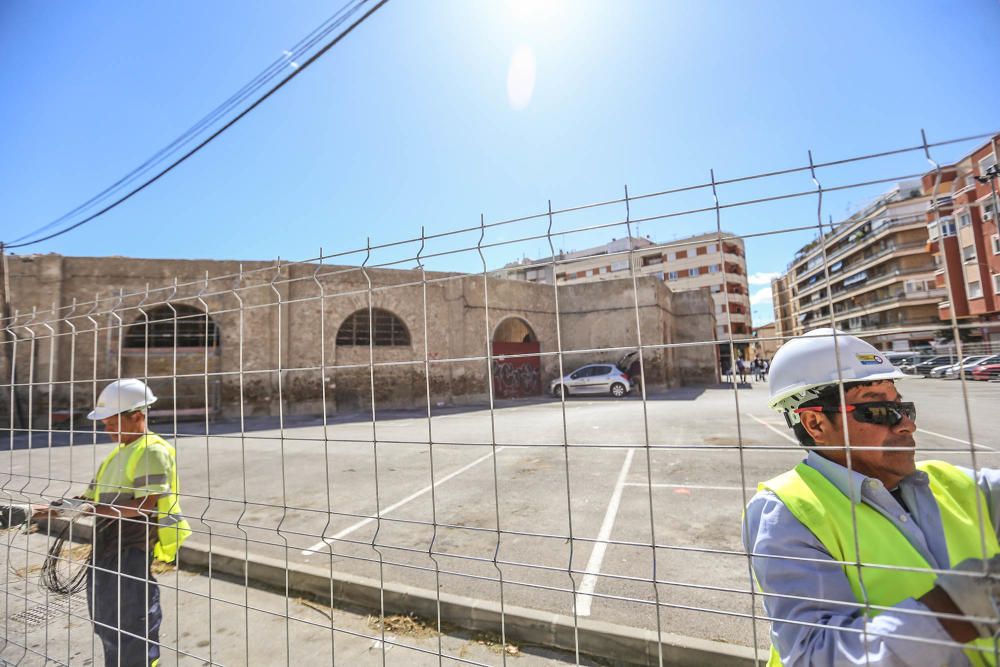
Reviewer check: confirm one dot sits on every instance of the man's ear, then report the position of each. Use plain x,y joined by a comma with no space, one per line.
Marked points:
817,425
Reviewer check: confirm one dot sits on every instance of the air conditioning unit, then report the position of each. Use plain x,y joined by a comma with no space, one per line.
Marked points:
987,216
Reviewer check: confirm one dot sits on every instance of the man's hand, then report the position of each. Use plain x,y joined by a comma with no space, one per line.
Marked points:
69,507
974,586
43,512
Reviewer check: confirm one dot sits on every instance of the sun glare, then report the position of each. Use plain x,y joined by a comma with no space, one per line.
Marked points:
521,78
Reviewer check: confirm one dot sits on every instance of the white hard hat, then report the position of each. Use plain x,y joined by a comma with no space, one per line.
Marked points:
122,396
803,366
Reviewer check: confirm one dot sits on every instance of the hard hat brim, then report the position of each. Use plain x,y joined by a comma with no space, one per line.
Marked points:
895,374
97,414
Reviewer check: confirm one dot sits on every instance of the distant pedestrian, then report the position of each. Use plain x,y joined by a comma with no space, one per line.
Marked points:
741,367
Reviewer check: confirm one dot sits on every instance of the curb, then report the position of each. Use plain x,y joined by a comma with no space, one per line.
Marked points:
621,644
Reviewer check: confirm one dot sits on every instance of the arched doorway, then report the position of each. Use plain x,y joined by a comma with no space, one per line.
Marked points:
516,365
176,348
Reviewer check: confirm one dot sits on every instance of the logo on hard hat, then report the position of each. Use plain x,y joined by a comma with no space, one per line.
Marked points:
869,359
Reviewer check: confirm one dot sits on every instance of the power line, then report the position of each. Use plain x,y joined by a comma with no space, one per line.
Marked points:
186,137
255,84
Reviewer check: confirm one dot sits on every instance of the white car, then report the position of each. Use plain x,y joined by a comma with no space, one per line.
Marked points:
595,379
941,371
953,372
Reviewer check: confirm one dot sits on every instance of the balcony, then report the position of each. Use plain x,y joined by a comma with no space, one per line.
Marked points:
738,260
940,202
872,283
865,263
873,236
887,328
732,249
909,298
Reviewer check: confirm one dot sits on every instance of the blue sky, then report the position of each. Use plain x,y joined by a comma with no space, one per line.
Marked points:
413,120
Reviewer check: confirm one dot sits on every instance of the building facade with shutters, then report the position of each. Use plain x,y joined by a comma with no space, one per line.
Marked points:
963,235
873,275
220,338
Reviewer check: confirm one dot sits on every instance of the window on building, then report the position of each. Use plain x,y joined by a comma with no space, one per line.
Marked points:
969,253
986,163
692,273
715,268
672,275
996,243
682,254
650,260
989,210
975,289
389,329
174,325
996,283
947,227
964,220
701,250
619,266
932,231
713,248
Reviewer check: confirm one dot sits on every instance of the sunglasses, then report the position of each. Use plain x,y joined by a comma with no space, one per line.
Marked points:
883,413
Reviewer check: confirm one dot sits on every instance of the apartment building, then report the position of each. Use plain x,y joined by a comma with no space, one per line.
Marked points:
784,321
683,264
766,342
874,270
963,235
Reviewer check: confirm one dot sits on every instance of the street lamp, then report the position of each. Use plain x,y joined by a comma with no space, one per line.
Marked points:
990,176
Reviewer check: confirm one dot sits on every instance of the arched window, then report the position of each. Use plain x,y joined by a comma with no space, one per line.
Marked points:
184,325
389,329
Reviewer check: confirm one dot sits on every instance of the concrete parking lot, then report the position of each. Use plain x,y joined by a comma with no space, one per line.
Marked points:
542,505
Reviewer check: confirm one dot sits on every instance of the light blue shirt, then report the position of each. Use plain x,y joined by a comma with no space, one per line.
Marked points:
830,629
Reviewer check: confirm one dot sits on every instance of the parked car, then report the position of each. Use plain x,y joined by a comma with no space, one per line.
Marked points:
951,372
900,358
595,379
939,371
927,364
986,372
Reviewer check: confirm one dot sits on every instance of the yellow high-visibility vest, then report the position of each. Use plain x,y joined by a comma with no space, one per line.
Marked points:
172,527
826,512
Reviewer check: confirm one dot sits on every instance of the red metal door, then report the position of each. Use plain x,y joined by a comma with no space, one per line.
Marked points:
516,377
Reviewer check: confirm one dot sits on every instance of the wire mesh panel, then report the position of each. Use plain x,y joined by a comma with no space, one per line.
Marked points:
526,439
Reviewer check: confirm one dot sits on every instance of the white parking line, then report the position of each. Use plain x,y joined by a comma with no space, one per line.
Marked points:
584,599
764,423
948,437
364,522
919,430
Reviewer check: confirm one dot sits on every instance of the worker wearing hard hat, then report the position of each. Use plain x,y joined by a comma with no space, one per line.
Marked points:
865,557
135,496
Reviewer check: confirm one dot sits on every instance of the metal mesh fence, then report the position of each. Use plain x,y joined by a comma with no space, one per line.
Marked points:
436,449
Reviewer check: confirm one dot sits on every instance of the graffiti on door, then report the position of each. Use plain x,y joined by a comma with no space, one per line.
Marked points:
516,376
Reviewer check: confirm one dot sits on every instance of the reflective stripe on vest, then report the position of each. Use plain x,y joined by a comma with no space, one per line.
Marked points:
826,512
172,527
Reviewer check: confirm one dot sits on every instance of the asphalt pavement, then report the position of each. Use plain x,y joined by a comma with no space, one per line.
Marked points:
544,505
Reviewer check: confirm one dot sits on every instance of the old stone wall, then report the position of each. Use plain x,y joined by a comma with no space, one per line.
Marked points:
270,342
